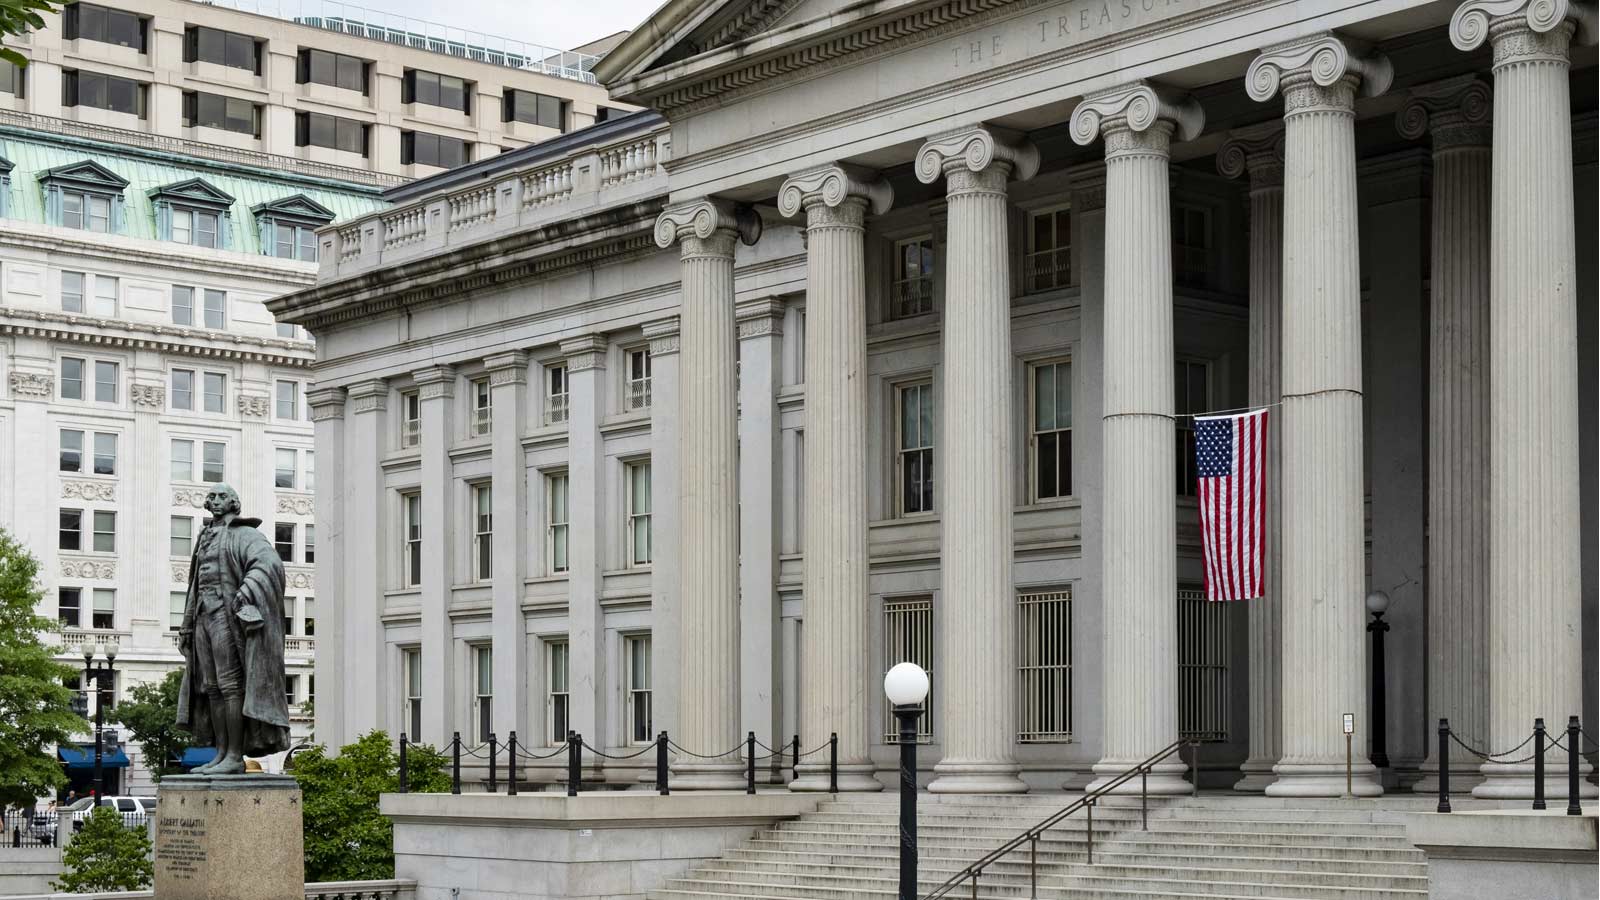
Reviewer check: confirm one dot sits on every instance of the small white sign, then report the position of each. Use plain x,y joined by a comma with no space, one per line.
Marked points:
1349,723
585,832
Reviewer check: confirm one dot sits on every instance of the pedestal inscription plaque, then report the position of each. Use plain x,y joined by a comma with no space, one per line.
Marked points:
229,837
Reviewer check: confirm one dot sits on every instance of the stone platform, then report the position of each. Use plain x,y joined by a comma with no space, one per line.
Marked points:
229,837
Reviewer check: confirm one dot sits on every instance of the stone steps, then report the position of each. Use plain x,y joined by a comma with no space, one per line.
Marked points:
935,859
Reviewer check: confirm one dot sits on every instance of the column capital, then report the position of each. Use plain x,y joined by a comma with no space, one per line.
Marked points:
976,149
703,219
830,186
585,352
1322,65
1136,108
757,318
435,382
326,403
1459,111
510,367
663,336
1258,150
1495,20
369,396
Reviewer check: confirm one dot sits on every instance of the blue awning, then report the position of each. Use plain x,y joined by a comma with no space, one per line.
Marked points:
197,756
111,757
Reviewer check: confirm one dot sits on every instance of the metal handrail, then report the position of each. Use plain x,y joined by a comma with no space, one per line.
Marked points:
1087,801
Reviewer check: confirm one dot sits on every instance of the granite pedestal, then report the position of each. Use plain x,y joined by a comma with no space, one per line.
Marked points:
229,837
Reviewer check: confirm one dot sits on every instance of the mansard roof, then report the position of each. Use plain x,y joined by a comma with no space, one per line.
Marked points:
87,174
193,192
296,207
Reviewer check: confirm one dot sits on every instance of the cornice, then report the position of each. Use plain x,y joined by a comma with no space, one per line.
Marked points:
662,335
510,367
585,352
156,253
434,382
759,318
170,339
326,403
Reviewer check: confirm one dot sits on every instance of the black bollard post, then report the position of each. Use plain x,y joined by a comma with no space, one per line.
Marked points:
511,766
661,765
574,763
404,785
494,784
1538,763
1444,766
750,763
833,763
1574,734
796,745
455,763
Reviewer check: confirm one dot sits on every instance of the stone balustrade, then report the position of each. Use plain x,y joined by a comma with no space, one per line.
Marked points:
74,638
606,173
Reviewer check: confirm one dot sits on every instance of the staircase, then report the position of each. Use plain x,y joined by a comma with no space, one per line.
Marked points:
1207,847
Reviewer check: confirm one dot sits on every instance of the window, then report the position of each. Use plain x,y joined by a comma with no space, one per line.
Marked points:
482,532
105,531
211,461
100,91
311,470
294,242
86,211
482,407
534,109
176,601
308,614
190,226
105,609
410,419
556,506
104,303
1192,396
411,662
413,546
71,450
309,544
1191,245
71,378
483,693
421,148
182,461
214,391
1048,263
555,407
216,311
636,652
638,396
72,291
1203,653
333,69
225,48
70,536
286,404
83,21
915,456
913,278
69,606
639,550
105,453
1044,666
182,305
10,78
234,114
182,538
283,540
556,704
105,381
433,89
333,132
285,468
908,637
291,687
183,389
211,466
1050,438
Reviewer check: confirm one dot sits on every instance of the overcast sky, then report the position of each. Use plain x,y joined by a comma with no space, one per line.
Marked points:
561,24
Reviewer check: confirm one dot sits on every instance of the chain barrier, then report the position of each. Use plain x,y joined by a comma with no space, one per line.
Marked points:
557,751
597,752
723,755
1494,757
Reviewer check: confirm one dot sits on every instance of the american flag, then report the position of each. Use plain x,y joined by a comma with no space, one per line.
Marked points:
1230,460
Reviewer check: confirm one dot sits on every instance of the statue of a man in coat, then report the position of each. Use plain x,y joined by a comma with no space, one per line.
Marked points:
232,640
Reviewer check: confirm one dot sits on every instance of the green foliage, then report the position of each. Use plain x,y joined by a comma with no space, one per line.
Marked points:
35,704
106,856
151,715
18,17
346,838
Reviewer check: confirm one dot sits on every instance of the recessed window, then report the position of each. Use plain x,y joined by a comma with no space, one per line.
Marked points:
193,226
914,458
182,305
102,457
216,309
71,378
10,78
555,405
333,132
214,391
638,386
1191,245
333,69
84,21
70,530
908,637
183,389
534,109
294,242
225,48
1050,438
105,381
105,609
105,453
1048,263
283,540
423,149
558,522
912,290
72,291
557,720
413,538
86,211
482,407
483,692
104,301
411,666
310,457
71,450
1204,688
636,655
234,114
1044,666
100,91
182,537
639,519
410,419
69,606
433,89
286,399
285,468
105,531
482,532
176,601
212,455
1192,396
309,545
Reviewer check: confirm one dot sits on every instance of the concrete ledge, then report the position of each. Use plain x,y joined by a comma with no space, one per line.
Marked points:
1508,854
614,809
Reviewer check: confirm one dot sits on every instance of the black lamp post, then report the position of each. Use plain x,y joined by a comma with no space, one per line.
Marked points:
103,676
1377,604
906,686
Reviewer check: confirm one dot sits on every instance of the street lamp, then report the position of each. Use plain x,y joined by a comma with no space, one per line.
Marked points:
906,686
1377,604
103,676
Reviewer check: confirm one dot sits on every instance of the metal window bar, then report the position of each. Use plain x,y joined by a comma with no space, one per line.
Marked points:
1203,654
908,637
1044,666
555,411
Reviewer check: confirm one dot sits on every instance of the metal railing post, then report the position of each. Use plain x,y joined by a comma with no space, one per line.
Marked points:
1144,799
574,763
661,765
750,763
1194,790
796,745
1444,766
1033,866
1574,735
1538,763
1088,809
455,763
833,763
404,782
511,766
494,748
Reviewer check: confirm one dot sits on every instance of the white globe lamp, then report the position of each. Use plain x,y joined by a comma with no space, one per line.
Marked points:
906,684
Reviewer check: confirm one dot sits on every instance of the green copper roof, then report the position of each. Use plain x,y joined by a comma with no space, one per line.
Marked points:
32,153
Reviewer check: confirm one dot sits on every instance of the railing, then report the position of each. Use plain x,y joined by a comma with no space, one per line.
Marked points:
404,227
555,409
1087,803
301,644
552,184
1540,739
619,165
471,207
73,638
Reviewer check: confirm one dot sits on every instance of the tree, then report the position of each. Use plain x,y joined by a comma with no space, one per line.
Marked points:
35,704
346,838
18,17
151,715
106,856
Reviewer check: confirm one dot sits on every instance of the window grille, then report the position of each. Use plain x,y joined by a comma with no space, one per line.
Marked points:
638,379
1203,653
915,441
913,277
908,637
640,724
555,407
1044,666
1049,256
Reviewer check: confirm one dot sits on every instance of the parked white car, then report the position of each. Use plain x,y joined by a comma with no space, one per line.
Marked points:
134,810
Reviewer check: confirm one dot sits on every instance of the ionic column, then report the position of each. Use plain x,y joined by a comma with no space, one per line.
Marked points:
1456,112
360,637
327,422
1324,541
708,496
1258,150
1535,608
436,397
977,674
833,644
1139,519
508,390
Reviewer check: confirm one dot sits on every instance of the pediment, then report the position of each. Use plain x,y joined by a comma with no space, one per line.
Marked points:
6,166
87,174
194,192
298,208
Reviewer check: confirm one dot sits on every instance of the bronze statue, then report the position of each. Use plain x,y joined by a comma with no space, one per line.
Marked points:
232,640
